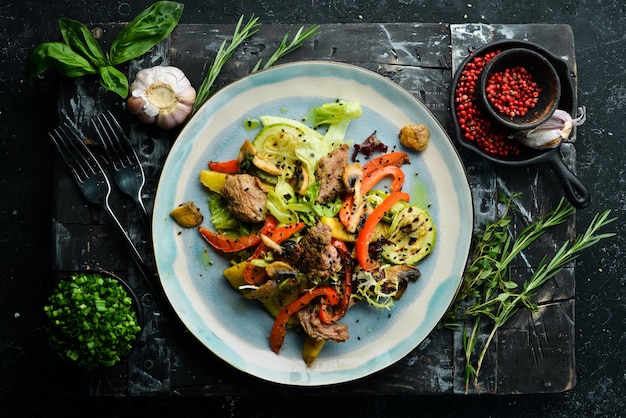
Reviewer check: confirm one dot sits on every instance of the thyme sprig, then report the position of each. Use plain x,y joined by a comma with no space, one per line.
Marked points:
488,293
284,49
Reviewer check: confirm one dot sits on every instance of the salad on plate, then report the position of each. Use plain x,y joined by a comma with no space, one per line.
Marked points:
314,224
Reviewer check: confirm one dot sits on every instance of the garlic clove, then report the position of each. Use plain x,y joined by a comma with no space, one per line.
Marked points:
554,131
161,95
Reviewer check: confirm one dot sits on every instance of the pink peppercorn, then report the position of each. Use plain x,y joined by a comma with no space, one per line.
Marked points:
474,126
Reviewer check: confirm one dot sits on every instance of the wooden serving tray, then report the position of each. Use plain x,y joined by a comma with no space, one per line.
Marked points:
533,353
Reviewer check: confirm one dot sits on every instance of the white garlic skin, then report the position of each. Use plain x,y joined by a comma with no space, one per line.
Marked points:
553,132
161,95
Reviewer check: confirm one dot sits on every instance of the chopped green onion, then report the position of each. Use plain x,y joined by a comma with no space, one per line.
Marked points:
92,320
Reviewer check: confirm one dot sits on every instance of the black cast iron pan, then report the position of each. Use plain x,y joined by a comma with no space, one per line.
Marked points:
574,189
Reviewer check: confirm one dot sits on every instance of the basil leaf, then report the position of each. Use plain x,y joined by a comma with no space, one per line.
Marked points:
112,79
80,39
58,56
145,31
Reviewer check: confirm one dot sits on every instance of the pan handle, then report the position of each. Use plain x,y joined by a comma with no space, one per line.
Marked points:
574,189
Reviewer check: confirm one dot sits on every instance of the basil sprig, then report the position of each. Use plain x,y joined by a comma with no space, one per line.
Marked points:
79,54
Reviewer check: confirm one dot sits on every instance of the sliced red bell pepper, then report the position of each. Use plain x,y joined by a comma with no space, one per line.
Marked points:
373,171
339,244
372,178
280,234
235,244
279,329
228,167
395,158
269,225
347,208
366,233
255,275
228,244
327,315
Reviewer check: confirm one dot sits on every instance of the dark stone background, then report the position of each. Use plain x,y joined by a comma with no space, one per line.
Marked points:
27,112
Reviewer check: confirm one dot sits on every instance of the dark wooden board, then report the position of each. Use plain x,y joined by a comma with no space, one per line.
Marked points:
533,353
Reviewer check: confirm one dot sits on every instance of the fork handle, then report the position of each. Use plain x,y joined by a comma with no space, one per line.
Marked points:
137,257
145,216
151,278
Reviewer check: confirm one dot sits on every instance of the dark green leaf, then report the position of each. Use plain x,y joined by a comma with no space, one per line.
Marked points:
58,56
145,31
112,79
80,39
510,285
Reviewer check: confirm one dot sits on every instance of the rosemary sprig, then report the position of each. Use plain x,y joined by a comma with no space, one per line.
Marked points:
284,49
223,55
488,293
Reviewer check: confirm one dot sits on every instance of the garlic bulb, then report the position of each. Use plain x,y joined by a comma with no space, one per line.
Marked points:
161,95
556,130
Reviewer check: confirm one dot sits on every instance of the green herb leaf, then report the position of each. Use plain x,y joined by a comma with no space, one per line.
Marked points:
80,39
145,31
480,297
58,56
114,80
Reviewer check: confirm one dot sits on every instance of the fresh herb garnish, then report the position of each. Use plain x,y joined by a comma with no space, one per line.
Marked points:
92,320
284,49
79,54
223,55
488,294
240,35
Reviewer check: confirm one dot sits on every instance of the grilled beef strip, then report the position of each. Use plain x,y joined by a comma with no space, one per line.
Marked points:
245,197
329,173
310,320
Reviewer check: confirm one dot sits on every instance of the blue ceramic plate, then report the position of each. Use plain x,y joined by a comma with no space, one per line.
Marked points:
236,329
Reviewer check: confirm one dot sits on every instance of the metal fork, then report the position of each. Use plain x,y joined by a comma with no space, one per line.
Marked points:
124,162
92,182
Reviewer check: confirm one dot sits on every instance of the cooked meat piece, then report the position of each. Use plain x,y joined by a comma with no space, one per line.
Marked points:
245,197
317,256
329,173
310,320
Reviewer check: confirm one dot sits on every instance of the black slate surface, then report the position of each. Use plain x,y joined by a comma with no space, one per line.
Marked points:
28,112
420,57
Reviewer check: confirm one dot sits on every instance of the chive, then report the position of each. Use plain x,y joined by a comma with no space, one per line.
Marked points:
92,320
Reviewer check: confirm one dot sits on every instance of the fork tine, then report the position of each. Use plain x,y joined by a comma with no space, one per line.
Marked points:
69,146
115,142
92,181
89,163
104,131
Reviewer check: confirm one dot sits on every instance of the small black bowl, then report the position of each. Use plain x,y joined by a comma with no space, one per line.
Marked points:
542,72
574,189
71,340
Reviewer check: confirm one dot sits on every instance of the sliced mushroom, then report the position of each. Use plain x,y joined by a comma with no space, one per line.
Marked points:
402,274
415,136
187,215
302,180
271,244
279,270
263,292
247,151
353,178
